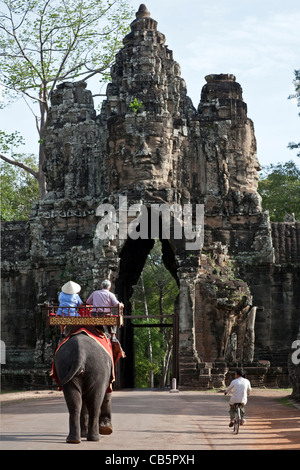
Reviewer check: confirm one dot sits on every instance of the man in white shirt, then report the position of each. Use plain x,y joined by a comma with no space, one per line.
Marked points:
103,298
241,388
106,300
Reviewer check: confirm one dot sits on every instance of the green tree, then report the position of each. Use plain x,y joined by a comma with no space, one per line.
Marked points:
279,188
154,295
45,42
19,189
296,95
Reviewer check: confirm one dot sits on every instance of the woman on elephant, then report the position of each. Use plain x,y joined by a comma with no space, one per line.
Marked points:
69,302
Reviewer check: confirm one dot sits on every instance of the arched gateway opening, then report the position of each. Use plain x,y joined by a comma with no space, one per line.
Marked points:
133,258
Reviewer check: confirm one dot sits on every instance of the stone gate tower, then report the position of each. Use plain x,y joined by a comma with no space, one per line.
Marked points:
165,152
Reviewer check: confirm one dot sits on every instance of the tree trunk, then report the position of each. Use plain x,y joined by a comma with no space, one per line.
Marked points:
41,175
150,354
40,127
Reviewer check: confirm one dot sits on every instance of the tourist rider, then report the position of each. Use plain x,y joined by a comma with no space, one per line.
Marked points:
241,388
69,302
103,300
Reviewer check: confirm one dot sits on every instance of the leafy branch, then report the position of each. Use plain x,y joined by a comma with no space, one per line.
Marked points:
135,105
45,43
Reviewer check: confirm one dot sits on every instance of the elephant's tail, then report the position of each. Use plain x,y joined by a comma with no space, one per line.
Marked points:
75,369
76,366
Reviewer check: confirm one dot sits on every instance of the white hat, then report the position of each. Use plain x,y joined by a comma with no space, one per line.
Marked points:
71,288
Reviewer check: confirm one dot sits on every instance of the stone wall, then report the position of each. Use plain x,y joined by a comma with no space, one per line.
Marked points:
238,300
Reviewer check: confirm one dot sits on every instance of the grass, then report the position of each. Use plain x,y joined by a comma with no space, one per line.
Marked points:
286,401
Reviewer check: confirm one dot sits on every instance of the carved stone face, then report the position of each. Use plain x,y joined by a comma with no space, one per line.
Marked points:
146,142
245,164
141,150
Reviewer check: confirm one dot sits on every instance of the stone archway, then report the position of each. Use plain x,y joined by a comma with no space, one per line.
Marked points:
133,257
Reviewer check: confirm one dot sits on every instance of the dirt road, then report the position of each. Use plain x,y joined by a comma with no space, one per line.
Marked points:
187,421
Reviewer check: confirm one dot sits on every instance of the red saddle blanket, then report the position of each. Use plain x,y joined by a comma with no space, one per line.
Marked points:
102,341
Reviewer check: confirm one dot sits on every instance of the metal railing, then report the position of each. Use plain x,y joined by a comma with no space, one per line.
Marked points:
85,315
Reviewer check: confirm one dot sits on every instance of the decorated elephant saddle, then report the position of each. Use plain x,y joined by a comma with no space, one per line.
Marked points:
97,335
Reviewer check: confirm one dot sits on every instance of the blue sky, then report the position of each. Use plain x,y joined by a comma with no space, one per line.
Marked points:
257,41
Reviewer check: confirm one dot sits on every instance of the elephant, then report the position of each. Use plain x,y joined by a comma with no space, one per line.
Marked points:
84,371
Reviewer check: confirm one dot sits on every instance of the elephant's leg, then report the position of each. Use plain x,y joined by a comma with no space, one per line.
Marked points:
93,405
105,425
84,419
74,401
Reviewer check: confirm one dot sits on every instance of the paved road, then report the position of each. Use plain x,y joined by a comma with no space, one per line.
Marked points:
155,420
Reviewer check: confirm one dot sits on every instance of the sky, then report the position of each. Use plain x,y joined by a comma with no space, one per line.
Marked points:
256,40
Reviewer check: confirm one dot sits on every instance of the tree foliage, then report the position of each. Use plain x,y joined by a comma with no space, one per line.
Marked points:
19,188
279,187
45,42
154,294
296,95
49,41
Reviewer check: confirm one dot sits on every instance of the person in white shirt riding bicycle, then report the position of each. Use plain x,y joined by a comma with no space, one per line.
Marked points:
241,389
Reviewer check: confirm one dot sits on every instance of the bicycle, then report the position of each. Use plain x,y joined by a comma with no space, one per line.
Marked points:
237,417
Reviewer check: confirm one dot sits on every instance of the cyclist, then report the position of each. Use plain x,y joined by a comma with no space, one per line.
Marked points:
241,389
